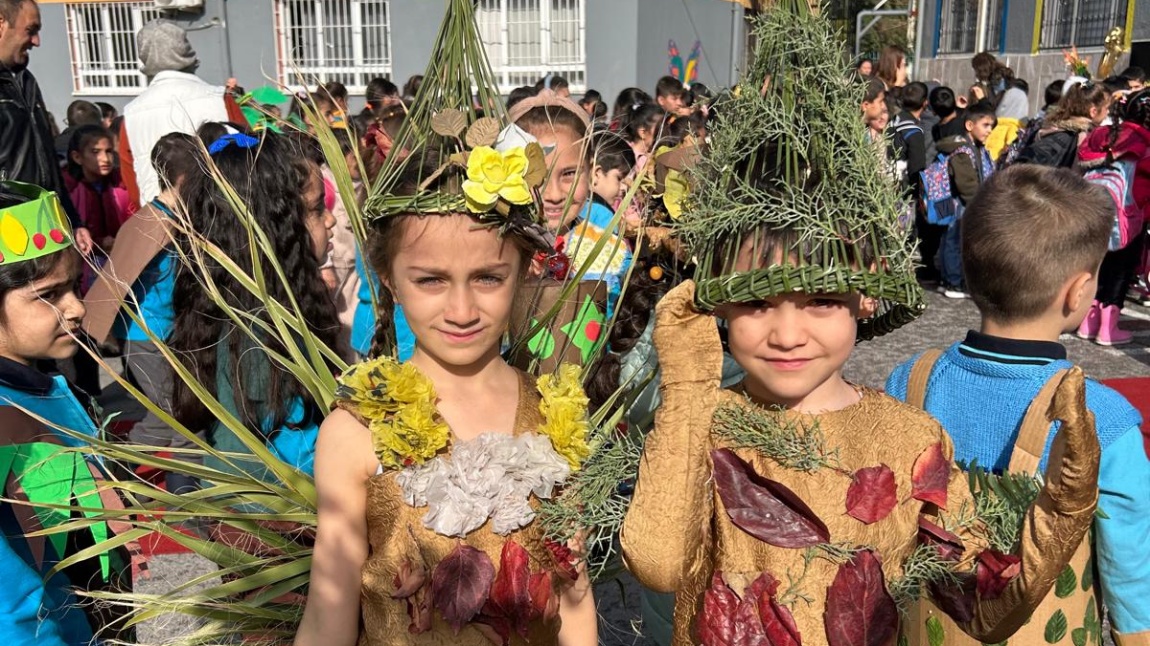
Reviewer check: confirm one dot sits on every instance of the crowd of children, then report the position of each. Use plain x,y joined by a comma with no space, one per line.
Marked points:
405,304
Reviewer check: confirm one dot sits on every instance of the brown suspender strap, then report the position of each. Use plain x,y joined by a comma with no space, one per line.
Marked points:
1035,428
919,376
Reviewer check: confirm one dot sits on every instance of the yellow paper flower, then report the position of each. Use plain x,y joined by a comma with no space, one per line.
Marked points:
564,408
492,175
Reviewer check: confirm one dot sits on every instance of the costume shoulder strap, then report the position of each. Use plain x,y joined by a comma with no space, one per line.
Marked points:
920,376
1035,428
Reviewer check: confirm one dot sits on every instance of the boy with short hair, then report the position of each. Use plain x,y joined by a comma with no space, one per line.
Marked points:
671,95
969,165
950,116
1032,242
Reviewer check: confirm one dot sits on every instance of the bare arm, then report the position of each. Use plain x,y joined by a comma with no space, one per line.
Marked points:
578,614
344,462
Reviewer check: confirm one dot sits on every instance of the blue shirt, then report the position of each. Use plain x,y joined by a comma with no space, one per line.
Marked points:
363,323
980,389
152,293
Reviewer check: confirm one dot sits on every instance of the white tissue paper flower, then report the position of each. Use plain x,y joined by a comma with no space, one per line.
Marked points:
489,477
513,137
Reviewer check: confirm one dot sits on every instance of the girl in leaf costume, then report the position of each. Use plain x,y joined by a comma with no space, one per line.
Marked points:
796,507
430,473
40,313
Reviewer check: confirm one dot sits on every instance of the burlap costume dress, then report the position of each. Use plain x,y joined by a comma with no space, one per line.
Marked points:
397,539
677,535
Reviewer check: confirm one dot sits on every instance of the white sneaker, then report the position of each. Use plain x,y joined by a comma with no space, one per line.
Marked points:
954,292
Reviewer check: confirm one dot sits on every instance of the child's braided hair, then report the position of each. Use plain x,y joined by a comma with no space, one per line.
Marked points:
1134,108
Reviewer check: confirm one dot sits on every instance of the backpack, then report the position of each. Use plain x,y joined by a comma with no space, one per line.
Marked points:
1117,178
1058,149
937,195
1013,151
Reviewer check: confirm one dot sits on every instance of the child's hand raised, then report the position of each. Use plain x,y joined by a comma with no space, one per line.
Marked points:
686,339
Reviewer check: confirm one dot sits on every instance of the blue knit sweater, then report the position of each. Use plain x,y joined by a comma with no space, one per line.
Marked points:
980,389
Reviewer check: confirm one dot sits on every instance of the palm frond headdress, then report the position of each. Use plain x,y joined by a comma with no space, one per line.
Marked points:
790,157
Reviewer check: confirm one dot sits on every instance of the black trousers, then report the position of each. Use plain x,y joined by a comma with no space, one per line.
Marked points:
1117,273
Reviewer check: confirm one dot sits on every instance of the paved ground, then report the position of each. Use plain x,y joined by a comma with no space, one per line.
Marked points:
944,322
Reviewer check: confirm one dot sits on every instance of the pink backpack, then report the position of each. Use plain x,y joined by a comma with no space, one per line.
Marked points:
1117,178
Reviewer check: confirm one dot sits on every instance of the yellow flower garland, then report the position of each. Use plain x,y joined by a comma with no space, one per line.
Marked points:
406,428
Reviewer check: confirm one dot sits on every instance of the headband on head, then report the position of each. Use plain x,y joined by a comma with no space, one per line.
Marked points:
32,229
548,99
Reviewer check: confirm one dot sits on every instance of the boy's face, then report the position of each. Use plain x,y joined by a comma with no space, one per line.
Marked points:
794,346
96,159
42,318
610,185
980,128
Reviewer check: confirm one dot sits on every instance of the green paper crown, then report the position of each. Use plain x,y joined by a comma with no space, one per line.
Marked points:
459,114
33,229
789,154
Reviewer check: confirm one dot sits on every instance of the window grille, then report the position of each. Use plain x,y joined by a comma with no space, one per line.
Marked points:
102,39
526,39
1079,23
348,41
958,26
995,25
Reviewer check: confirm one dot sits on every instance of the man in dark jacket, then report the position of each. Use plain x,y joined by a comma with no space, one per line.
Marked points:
27,153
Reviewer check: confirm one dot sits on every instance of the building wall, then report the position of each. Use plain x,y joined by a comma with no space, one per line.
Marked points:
626,43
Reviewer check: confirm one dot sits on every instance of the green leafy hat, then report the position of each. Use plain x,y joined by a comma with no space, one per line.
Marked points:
790,161
480,163
33,228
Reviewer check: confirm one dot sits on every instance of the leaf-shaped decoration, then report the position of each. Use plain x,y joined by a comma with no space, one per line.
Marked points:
536,165
872,494
859,610
955,598
460,583
1088,574
1067,581
716,625
748,626
483,132
778,622
448,123
544,601
995,571
930,476
1055,628
764,508
408,579
948,544
510,594
1078,637
14,235
935,634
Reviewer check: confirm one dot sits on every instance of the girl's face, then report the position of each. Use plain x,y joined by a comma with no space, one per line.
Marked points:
900,74
794,346
456,282
874,110
96,158
1098,112
610,185
646,138
41,318
567,186
866,68
318,220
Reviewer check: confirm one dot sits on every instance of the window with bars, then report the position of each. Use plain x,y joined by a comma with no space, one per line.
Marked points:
958,26
348,41
995,25
1079,23
526,39
102,39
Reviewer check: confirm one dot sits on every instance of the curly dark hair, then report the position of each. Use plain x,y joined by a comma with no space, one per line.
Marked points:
270,179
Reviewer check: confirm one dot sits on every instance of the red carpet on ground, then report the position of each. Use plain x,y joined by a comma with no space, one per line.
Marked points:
1137,390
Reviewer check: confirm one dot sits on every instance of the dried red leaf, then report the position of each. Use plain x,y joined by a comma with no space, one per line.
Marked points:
544,601
930,476
778,623
419,611
716,624
496,629
859,610
408,579
564,560
460,584
872,494
510,597
950,547
955,598
995,571
749,629
764,508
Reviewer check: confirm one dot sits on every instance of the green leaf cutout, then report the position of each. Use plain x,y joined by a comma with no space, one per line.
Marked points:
1092,624
542,345
1066,583
903,640
1056,627
1088,574
1078,637
934,632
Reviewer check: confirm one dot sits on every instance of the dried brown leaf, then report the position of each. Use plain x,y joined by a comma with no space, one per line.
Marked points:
483,132
448,123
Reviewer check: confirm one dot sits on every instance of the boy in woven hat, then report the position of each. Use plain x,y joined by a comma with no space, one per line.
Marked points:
1032,242
740,499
